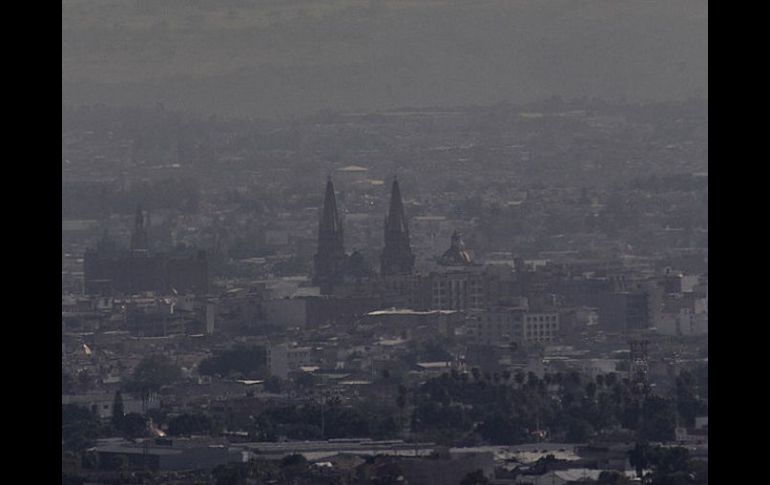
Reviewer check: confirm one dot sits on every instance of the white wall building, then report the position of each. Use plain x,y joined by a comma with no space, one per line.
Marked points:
505,325
282,359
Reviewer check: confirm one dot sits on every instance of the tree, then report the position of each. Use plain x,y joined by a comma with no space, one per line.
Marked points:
152,373
600,380
345,423
84,379
306,380
658,419
264,429
72,480
401,403
475,478
669,460
67,383
189,424
387,473
117,411
385,427
274,385
638,457
579,431
246,360
134,425
295,460
230,474
80,427
519,378
688,405
700,471
590,390
701,377
500,429
612,478
574,379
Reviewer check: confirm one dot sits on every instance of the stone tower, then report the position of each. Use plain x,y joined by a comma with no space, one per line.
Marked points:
330,256
397,257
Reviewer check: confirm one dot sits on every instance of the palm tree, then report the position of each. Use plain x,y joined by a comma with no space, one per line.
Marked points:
590,390
476,373
600,380
401,403
519,378
117,411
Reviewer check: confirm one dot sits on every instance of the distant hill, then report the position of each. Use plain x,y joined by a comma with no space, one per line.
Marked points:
284,57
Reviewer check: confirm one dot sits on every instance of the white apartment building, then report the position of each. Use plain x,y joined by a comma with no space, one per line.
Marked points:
282,359
505,325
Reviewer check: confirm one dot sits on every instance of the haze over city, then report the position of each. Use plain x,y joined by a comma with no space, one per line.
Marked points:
384,242
279,58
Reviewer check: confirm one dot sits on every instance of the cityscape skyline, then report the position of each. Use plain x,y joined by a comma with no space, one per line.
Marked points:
361,242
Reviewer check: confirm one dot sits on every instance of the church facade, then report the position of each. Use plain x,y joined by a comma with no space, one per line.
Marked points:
108,269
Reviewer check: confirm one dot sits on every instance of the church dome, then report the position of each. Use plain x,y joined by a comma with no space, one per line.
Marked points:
457,254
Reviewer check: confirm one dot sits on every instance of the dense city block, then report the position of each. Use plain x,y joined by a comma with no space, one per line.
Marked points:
482,295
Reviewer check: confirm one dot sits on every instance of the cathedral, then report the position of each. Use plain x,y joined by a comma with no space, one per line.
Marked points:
333,267
454,284
108,269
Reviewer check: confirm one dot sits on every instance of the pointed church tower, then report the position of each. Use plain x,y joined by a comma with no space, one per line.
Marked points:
330,256
139,235
397,257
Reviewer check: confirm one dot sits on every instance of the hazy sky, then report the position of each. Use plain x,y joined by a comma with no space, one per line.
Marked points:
282,57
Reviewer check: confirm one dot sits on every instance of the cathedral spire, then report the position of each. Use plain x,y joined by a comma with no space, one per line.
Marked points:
330,226
397,257
396,221
330,256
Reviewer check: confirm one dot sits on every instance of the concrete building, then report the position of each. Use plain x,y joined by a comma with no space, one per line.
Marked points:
457,290
286,312
622,312
506,325
164,455
283,359
446,468
101,403
414,323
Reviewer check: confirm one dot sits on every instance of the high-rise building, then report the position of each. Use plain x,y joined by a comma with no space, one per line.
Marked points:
330,259
397,256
